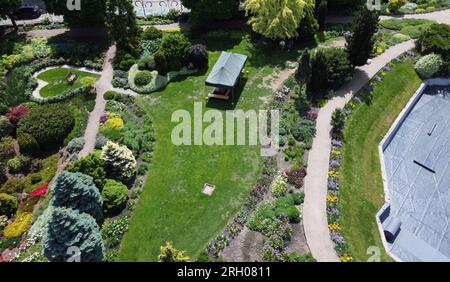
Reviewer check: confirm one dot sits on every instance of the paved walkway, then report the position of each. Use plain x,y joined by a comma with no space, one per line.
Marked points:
314,209
102,85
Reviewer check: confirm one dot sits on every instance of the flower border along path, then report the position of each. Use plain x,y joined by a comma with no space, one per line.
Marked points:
314,209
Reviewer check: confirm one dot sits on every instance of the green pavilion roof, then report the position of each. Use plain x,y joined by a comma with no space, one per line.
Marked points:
227,70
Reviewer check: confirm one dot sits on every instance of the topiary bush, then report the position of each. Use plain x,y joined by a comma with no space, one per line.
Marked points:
143,78
93,166
12,186
147,63
119,161
395,5
77,191
8,204
68,228
152,33
75,145
429,65
198,56
28,144
115,196
48,124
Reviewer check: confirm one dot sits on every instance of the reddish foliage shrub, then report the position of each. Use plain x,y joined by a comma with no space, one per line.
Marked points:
258,191
295,177
312,115
17,113
39,191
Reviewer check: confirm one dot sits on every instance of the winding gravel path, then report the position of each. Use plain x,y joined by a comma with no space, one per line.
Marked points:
314,209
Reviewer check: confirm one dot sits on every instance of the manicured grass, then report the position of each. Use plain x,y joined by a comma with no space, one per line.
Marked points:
57,83
361,190
172,206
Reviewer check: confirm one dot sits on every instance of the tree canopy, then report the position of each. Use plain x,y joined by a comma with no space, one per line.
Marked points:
7,7
278,19
92,12
210,10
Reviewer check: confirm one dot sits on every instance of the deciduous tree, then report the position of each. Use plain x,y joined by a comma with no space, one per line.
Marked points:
210,10
7,7
92,12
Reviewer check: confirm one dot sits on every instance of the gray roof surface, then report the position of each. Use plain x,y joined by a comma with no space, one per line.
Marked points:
417,162
227,70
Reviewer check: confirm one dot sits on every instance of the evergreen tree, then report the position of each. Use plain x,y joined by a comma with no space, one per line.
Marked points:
280,19
303,71
77,191
210,10
7,7
119,161
91,13
360,43
321,12
121,23
68,232
319,75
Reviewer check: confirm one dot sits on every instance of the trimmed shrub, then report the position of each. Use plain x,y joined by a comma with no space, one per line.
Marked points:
147,63
304,130
70,228
93,166
77,191
339,68
143,78
6,127
338,120
176,47
152,33
119,161
8,204
119,82
198,57
395,5
124,61
100,141
115,196
20,164
298,198
75,145
12,186
48,124
429,65
19,226
28,144
435,39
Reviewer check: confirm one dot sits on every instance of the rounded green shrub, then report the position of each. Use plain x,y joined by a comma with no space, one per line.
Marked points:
198,56
292,213
147,63
298,198
6,127
8,204
395,5
48,124
12,186
176,47
93,166
115,196
303,130
161,62
435,39
143,78
28,144
152,33
20,164
429,65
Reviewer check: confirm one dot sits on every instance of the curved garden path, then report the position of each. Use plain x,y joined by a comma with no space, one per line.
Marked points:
314,209
102,85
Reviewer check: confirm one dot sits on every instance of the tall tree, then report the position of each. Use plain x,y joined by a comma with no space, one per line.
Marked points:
210,10
72,236
121,23
77,191
360,42
91,13
7,7
303,71
279,19
319,75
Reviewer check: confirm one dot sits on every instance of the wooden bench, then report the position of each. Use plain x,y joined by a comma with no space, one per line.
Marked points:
221,96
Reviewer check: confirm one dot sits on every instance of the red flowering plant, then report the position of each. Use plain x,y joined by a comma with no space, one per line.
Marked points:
39,191
17,113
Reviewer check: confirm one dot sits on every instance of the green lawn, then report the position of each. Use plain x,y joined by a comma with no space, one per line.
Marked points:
172,207
57,83
361,184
